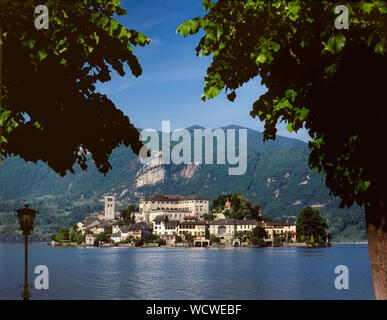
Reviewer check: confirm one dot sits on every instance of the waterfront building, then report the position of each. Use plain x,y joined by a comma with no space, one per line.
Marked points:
197,229
171,227
269,232
117,225
116,237
159,224
282,229
245,225
124,230
88,223
81,226
90,238
225,229
102,227
140,230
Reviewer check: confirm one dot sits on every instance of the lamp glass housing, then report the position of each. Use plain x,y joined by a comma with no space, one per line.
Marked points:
26,218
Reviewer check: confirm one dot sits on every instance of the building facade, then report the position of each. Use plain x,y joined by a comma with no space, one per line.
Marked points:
196,229
225,229
176,207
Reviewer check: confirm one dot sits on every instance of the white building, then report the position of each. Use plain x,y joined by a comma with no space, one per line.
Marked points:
245,225
176,207
171,214
90,238
110,207
282,228
116,237
159,225
225,229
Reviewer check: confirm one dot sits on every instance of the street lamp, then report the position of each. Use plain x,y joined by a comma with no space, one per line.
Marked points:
26,219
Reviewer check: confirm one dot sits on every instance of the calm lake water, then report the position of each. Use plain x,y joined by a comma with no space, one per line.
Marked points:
158,273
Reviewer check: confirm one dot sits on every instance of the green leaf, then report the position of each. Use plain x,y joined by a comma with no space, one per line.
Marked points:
42,55
260,59
380,47
184,28
291,94
65,14
367,7
219,31
212,92
364,185
96,37
123,33
207,4
31,43
142,38
303,114
190,27
113,26
103,21
328,47
335,44
276,46
4,116
339,42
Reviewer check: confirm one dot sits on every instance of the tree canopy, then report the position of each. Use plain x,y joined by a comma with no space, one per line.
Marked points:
128,214
49,107
241,207
311,223
330,81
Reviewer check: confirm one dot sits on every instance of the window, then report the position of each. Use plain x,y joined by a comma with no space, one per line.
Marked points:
222,229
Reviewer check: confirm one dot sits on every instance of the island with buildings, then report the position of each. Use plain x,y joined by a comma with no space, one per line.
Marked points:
175,220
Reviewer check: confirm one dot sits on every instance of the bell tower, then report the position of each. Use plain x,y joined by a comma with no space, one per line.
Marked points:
110,207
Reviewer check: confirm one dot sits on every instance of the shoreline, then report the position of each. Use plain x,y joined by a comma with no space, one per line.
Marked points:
289,245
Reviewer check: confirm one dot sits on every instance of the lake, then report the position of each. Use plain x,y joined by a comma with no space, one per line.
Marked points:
197,273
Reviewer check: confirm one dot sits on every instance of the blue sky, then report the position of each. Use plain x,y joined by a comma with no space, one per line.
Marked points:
171,85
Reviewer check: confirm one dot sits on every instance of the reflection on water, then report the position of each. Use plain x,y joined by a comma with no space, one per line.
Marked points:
158,273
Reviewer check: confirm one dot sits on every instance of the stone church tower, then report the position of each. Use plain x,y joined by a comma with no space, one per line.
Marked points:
110,207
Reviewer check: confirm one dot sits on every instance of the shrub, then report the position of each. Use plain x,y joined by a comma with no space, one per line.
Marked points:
214,239
259,242
276,242
138,243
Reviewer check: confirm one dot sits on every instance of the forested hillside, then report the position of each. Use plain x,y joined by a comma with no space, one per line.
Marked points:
277,179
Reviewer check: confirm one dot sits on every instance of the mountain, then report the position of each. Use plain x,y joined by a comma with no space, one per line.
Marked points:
277,178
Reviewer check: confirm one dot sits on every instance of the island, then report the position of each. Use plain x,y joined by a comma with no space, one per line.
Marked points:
187,221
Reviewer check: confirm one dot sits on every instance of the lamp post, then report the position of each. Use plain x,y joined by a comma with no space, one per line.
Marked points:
26,219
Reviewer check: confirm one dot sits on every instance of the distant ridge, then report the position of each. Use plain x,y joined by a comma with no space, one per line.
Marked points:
278,179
